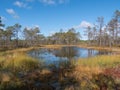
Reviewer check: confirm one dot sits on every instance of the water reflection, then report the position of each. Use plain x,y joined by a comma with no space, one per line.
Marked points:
65,53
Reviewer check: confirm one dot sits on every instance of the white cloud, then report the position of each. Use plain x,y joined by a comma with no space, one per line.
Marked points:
21,4
32,27
53,2
83,24
36,26
12,13
48,2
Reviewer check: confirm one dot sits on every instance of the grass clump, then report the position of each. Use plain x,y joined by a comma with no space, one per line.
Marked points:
13,67
90,73
19,62
103,61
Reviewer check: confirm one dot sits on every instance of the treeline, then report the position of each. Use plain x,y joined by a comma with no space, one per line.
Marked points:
101,34
14,37
69,37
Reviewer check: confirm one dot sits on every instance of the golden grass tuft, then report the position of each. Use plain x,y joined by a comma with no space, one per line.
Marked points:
45,71
81,71
87,67
100,61
19,62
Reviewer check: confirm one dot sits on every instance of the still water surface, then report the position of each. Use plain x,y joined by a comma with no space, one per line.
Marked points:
64,53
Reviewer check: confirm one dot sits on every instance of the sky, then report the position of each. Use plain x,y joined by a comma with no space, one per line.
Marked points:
52,15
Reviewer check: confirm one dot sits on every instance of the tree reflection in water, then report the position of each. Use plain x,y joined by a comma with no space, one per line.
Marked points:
65,53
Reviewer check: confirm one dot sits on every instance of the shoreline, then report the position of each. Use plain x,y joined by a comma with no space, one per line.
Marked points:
112,49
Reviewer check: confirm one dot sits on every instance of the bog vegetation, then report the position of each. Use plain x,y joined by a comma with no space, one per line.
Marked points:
18,71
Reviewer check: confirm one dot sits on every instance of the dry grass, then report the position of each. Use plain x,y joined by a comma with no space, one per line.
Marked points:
45,72
115,49
22,49
87,67
85,73
100,61
82,70
18,62
53,46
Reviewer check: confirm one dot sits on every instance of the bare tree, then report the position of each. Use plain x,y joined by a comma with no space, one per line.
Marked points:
89,34
100,24
17,28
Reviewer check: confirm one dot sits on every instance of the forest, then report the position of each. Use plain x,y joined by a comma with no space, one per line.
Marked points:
100,34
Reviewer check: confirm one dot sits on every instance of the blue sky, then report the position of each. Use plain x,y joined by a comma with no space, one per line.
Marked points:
52,15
